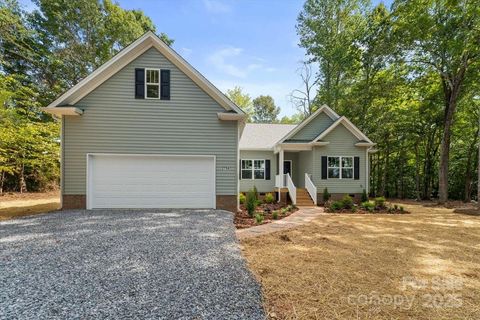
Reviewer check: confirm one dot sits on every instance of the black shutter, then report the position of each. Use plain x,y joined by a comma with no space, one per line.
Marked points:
267,169
240,170
139,83
324,168
165,84
356,168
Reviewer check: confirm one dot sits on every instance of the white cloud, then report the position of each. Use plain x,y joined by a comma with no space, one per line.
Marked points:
214,6
219,59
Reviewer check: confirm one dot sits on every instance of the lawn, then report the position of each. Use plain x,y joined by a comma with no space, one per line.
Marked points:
22,204
423,265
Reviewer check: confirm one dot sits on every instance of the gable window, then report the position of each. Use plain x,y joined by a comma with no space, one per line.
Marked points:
152,83
340,167
253,169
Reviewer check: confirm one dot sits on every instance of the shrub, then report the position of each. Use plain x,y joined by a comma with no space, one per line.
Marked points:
284,211
259,218
250,203
395,207
364,196
326,195
258,202
380,202
347,202
275,215
368,205
402,209
354,209
242,198
336,205
269,198
255,192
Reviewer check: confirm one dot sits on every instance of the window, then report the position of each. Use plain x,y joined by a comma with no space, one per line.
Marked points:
152,83
340,167
253,169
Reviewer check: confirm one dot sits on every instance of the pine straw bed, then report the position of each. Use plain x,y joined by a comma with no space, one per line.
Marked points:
351,266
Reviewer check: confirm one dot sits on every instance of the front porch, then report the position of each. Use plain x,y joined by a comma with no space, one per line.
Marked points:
293,178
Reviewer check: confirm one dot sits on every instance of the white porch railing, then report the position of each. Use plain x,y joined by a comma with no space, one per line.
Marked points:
292,190
312,190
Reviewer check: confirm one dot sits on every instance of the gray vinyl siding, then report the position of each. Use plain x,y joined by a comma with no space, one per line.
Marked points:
313,128
305,159
262,185
115,122
341,144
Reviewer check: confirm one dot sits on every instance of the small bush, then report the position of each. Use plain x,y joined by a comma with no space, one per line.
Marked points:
347,202
255,192
354,209
402,209
367,205
258,202
259,218
284,211
250,203
242,198
326,195
275,215
380,202
395,207
364,196
336,205
269,198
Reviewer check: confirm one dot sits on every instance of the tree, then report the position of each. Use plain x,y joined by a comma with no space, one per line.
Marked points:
443,36
303,99
293,119
264,110
241,99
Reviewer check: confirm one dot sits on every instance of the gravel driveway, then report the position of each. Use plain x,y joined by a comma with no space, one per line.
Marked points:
140,264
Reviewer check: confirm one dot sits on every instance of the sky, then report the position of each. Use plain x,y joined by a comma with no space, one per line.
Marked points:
248,43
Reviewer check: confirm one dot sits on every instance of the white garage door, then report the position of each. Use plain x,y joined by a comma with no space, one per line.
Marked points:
150,181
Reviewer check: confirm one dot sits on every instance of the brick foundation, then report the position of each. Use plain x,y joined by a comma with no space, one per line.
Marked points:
71,201
357,197
228,203
74,201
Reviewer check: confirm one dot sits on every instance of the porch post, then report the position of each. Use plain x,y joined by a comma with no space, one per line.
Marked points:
280,172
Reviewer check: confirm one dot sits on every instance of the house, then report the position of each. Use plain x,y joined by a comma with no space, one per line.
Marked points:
298,162
147,130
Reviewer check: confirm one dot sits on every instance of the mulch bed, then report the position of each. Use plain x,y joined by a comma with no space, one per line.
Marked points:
243,220
361,211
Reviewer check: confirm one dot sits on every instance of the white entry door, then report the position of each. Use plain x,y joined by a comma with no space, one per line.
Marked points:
150,181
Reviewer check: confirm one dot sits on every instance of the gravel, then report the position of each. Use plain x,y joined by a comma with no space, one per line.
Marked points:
136,264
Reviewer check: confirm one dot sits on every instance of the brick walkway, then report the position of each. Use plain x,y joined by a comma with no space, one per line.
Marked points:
302,216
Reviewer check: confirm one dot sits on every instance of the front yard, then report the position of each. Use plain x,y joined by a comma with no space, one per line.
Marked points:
423,265
21,204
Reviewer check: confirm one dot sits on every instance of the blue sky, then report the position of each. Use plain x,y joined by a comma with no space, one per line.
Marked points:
246,43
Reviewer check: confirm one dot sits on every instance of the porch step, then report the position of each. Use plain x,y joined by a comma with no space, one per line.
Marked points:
303,198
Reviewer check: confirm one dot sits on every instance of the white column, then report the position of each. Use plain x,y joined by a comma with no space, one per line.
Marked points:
280,171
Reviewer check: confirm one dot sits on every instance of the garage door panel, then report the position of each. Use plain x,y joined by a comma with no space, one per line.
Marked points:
150,181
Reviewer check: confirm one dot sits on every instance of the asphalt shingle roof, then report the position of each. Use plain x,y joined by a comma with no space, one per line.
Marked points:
263,135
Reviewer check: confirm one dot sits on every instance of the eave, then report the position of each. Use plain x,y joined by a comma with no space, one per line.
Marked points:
63,111
230,116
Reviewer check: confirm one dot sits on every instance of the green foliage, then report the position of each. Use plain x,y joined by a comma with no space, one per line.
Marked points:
250,203
368,205
326,195
265,110
255,192
259,218
275,215
364,196
241,99
380,202
269,198
241,198
347,202
336,205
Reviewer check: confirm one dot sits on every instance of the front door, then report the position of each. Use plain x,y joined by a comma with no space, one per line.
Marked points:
287,167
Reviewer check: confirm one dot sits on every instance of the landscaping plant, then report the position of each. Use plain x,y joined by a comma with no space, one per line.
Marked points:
347,202
368,205
259,218
364,196
250,203
380,202
269,198
242,198
326,195
275,215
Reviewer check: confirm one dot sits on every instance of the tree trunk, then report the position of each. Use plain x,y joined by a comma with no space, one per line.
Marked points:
478,181
417,173
2,179
22,183
469,170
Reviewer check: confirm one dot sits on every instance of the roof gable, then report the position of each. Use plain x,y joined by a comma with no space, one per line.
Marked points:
312,129
349,126
322,110
130,53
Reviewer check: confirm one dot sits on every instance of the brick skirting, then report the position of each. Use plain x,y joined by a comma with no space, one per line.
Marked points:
74,201
228,203
78,201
